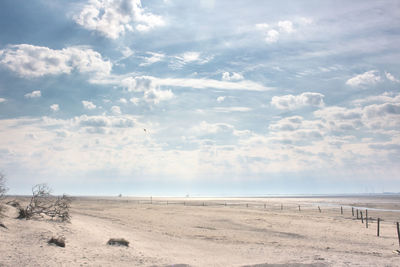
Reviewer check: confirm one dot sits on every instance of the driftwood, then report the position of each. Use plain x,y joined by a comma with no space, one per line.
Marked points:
43,204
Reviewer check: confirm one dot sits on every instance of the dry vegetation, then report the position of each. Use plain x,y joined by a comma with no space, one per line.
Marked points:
118,242
58,241
3,190
44,204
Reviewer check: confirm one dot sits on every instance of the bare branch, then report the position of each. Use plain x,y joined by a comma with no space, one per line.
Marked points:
44,204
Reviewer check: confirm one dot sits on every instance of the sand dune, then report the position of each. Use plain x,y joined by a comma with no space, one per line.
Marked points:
242,233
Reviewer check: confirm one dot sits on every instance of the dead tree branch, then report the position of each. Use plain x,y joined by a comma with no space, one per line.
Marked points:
44,204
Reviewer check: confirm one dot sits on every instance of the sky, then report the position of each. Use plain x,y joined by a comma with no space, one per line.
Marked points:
205,97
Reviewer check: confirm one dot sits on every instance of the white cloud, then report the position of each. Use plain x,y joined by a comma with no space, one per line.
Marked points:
123,100
390,77
298,101
88,105
381,116
155,96
189,57
209,83
212,128
34,94
379,110
286,26
143,83
273,32
154,57
383,98
55,107
134,100
104,121
226,76
2,100
34,61
287,124
262,26
220,99
367,78
232,109
306,21
113,18
272,36
127,52
116,110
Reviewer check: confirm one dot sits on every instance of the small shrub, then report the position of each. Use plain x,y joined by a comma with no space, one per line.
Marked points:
118,242
23,214
3,190
58,241
42,203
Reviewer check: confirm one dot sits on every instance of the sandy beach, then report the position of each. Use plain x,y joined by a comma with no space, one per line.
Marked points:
223,232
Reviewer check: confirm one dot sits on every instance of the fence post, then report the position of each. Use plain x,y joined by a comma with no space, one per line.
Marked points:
352,211
341,210
357,215
265,206
319,209
398,232
362,219
247,205
366,218
377,229
299,208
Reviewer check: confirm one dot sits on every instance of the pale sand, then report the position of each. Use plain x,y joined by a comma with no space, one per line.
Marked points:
217,235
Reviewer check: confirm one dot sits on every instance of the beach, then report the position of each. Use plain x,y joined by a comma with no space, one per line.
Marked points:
275,231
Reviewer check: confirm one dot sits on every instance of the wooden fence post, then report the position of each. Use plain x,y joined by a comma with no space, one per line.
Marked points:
299,208
362,219
366,218
398,232
377,229
319,209
357,215
341,210
352,211
247,205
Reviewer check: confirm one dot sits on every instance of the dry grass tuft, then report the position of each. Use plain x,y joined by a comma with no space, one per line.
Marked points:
58,241
118,242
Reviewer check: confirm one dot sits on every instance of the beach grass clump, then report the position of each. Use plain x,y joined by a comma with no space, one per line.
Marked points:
118,242
58,241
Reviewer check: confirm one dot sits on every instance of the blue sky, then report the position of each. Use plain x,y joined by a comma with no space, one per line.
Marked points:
168,97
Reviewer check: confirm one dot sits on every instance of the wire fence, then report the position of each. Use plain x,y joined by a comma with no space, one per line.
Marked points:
367,216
